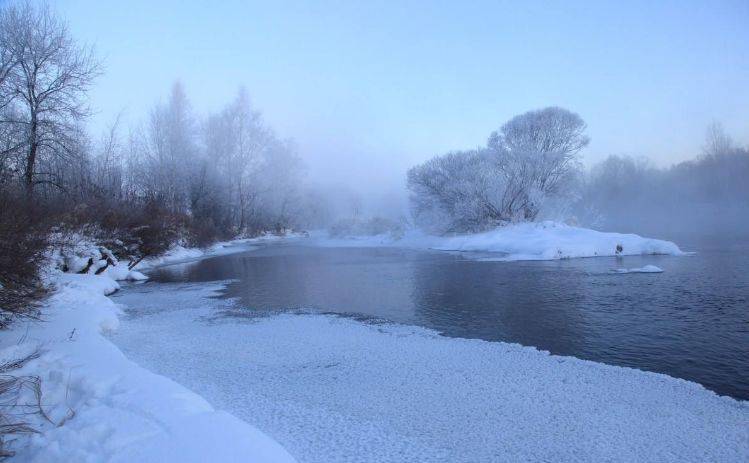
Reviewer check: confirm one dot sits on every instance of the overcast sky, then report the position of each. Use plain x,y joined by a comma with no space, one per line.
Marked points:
369,88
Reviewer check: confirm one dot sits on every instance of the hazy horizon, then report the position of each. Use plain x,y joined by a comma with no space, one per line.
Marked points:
367,91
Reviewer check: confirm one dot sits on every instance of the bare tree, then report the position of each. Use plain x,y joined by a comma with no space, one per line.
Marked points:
7,60
236,143
9,139
717,141
48,81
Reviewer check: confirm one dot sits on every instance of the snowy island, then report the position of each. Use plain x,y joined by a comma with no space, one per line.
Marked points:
546,240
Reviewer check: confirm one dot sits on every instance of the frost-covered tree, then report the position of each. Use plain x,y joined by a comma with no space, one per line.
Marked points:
48,78
259,173
528,164
237,141
460,191
108,168
548,130
172,151
538,151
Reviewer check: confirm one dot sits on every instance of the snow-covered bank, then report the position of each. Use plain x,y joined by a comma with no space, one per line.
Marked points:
82,254
104,407
179,254
524,241
332,389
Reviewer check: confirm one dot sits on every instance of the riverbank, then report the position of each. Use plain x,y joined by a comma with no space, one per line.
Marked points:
87,402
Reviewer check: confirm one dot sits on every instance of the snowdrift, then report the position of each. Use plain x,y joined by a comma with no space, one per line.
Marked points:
103,407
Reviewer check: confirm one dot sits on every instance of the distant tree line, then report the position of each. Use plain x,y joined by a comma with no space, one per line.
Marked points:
705,196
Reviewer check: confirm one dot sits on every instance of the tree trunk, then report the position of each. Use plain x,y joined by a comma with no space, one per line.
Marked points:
241,207
31,157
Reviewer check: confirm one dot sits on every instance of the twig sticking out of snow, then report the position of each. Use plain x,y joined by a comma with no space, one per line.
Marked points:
11,388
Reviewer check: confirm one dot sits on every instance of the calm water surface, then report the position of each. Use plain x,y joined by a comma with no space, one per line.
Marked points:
692,321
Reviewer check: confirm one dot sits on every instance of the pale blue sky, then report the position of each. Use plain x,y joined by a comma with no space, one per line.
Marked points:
369,88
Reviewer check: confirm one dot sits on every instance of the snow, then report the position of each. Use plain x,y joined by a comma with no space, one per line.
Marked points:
104,407
645,269
175,254
122,272
180,254
524,241
332,389
80,249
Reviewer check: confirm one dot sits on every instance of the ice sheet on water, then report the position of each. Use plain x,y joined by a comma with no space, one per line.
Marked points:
646,269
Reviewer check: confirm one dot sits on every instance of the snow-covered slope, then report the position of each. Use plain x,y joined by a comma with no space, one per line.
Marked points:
524,241
102,406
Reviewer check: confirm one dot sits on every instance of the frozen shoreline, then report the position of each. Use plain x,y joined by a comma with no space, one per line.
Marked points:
332,389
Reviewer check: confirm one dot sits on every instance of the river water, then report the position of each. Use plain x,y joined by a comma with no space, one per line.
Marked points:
690,322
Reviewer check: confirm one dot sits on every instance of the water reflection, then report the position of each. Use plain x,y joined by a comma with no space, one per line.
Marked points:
496,301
